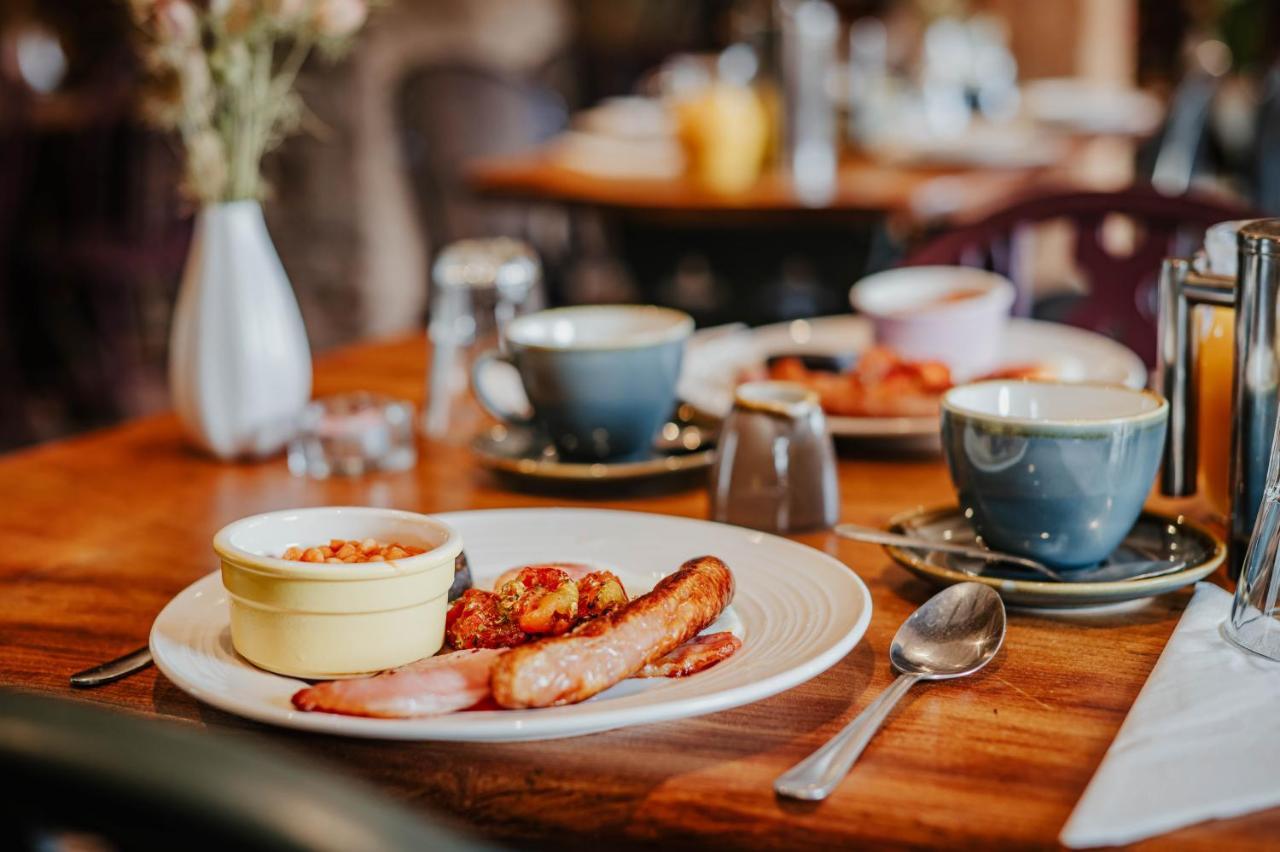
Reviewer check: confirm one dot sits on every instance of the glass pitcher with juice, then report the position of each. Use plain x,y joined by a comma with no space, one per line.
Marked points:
1215,357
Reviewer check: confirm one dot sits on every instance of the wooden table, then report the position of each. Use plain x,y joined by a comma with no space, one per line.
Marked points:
863,187
100,531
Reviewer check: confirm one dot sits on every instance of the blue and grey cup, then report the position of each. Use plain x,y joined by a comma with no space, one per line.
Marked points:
1057,472
601,378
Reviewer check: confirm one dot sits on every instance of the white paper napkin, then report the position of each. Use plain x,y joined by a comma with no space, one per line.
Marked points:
1202,741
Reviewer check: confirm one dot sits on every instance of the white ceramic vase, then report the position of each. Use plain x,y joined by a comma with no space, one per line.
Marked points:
239,363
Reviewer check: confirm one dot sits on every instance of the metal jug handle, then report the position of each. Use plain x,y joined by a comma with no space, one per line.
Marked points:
1182,288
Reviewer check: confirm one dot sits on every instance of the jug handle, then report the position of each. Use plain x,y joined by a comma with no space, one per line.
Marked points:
1181,289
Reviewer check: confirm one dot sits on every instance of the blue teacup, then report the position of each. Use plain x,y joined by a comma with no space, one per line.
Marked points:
601,378
1057,472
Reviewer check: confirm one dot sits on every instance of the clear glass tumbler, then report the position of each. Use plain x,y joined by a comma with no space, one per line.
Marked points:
478,287
1255,616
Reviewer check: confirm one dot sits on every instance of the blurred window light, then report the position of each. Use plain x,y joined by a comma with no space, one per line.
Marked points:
42,63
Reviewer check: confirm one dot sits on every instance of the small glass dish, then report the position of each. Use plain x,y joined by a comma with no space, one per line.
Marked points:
352,434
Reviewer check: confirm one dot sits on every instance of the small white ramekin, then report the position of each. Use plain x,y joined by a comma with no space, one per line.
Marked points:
330,620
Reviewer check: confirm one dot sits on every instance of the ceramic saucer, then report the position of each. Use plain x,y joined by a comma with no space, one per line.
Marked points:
1154,536
527,453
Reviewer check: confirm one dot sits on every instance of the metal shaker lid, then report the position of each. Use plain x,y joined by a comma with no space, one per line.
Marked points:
510,265
1261,236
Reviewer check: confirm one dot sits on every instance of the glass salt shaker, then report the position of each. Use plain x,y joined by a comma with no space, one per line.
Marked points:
479,286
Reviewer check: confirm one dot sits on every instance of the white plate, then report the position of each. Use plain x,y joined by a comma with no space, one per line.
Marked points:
797,611
989,146
1087,107
712,365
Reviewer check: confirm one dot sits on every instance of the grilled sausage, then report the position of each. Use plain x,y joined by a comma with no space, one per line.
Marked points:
600,653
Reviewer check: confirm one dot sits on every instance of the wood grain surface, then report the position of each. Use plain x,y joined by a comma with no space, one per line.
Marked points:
100,531
863,187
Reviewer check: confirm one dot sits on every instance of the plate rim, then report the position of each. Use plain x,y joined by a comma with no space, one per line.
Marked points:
1066,592
600,720
914,427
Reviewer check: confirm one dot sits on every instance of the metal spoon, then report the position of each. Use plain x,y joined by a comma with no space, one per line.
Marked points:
875,536
1138,570
113,670
955,633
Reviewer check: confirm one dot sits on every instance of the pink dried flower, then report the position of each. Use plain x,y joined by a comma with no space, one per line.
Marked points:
337,18
176,21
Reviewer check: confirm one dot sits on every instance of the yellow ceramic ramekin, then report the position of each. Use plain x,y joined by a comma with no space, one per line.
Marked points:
329,620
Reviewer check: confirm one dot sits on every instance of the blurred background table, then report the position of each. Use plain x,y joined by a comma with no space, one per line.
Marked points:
864,187
102,530
759,255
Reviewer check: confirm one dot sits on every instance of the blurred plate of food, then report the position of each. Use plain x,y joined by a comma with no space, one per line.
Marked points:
618,157
870,392
1085,106
981,145
621,138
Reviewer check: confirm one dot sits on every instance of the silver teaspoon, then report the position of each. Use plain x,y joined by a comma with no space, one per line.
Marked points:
113,670
955,633
875,536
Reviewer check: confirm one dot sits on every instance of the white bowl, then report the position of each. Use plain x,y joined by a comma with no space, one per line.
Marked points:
910,314
328,620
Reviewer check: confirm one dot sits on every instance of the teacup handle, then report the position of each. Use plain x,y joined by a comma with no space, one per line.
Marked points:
486,401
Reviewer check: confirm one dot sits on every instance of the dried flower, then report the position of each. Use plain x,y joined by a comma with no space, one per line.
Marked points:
285,11
218,76
232,63
162,102
338,18
235,17
206,165
176,22
141,10
197,84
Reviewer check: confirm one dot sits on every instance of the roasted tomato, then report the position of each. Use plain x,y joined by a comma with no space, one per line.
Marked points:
477,620
599,592
541,599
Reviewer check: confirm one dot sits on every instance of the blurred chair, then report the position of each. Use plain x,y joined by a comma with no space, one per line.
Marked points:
1180,150
450,114
90,242
1120,300
15,428
90,778
1185,148
103,247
